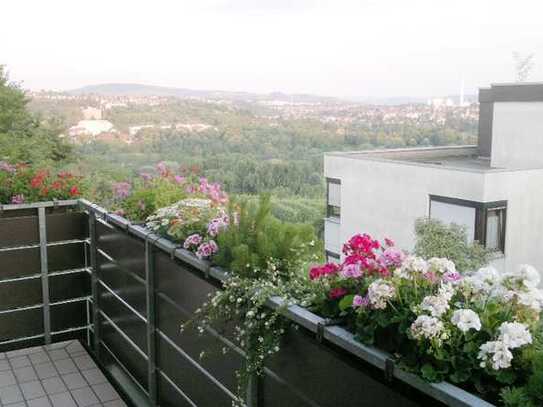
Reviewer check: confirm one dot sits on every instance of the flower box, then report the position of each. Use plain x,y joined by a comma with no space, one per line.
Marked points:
319,364
142,287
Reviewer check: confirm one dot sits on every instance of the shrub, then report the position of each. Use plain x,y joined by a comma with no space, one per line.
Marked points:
255,236
144,195
435,239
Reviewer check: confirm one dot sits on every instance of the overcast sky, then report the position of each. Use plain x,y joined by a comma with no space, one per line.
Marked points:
345,48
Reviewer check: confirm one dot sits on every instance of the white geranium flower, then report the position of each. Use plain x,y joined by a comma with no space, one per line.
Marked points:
501,355
466,319
532,298
412,264
426,327
434,304
441,265
437,305
514,334
529,275
447,291
486,280
379,292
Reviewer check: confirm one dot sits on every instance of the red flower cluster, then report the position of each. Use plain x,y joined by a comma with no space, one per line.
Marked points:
364,256
337,292
21,183
362,245
360,249
328,269
58,187
38,179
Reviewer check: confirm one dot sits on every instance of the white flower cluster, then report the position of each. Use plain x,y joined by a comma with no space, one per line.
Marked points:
501,355
379,292
437,305
532,298
426,327
441,265
411,265
196,203
466,319
513,335
485,281
529,275
521,285
529,295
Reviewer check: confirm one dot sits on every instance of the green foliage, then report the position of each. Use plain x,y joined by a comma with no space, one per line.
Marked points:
516,397
23,137
258,237
534,386
435,239
147,197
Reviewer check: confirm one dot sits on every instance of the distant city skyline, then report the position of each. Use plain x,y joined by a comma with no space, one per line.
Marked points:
349,49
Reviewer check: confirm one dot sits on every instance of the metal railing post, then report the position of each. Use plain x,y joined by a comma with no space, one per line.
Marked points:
94,282
252,391
44,275
151,321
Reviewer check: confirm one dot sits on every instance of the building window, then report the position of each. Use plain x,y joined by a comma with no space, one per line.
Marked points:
332,257
333,198
495,229
484,221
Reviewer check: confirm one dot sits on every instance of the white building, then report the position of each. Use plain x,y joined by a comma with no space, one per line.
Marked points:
90,128
91,113
495,189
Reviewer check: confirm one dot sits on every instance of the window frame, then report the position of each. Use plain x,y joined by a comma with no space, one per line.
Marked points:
329,254
329,211
481,216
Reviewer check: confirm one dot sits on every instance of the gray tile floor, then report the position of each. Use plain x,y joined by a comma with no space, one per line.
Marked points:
58,375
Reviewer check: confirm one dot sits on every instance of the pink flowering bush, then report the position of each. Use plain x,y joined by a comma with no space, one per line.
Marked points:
481,330
144,195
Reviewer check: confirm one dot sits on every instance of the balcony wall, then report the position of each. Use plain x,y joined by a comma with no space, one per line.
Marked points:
44,283
138,289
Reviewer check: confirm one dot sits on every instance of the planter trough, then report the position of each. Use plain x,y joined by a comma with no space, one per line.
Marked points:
73,270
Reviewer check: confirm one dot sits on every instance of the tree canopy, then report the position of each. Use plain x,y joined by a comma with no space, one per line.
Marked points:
23,136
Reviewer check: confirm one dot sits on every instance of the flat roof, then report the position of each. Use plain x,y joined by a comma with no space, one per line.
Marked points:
512,92
452,157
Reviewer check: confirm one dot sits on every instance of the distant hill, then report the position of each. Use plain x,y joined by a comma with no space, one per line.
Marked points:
135,89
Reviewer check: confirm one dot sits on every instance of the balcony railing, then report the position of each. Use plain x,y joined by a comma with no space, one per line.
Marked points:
72,270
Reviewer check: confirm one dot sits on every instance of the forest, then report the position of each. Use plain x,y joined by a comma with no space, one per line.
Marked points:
247,146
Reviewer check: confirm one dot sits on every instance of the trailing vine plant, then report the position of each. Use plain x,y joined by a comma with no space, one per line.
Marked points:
264,258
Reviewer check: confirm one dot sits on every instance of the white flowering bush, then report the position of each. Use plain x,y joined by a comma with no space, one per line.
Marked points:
263,257
480,330
193,222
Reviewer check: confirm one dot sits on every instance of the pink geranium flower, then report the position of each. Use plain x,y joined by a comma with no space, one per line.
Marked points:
121,190
360,302
207,249
452,276
18,199
352,270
